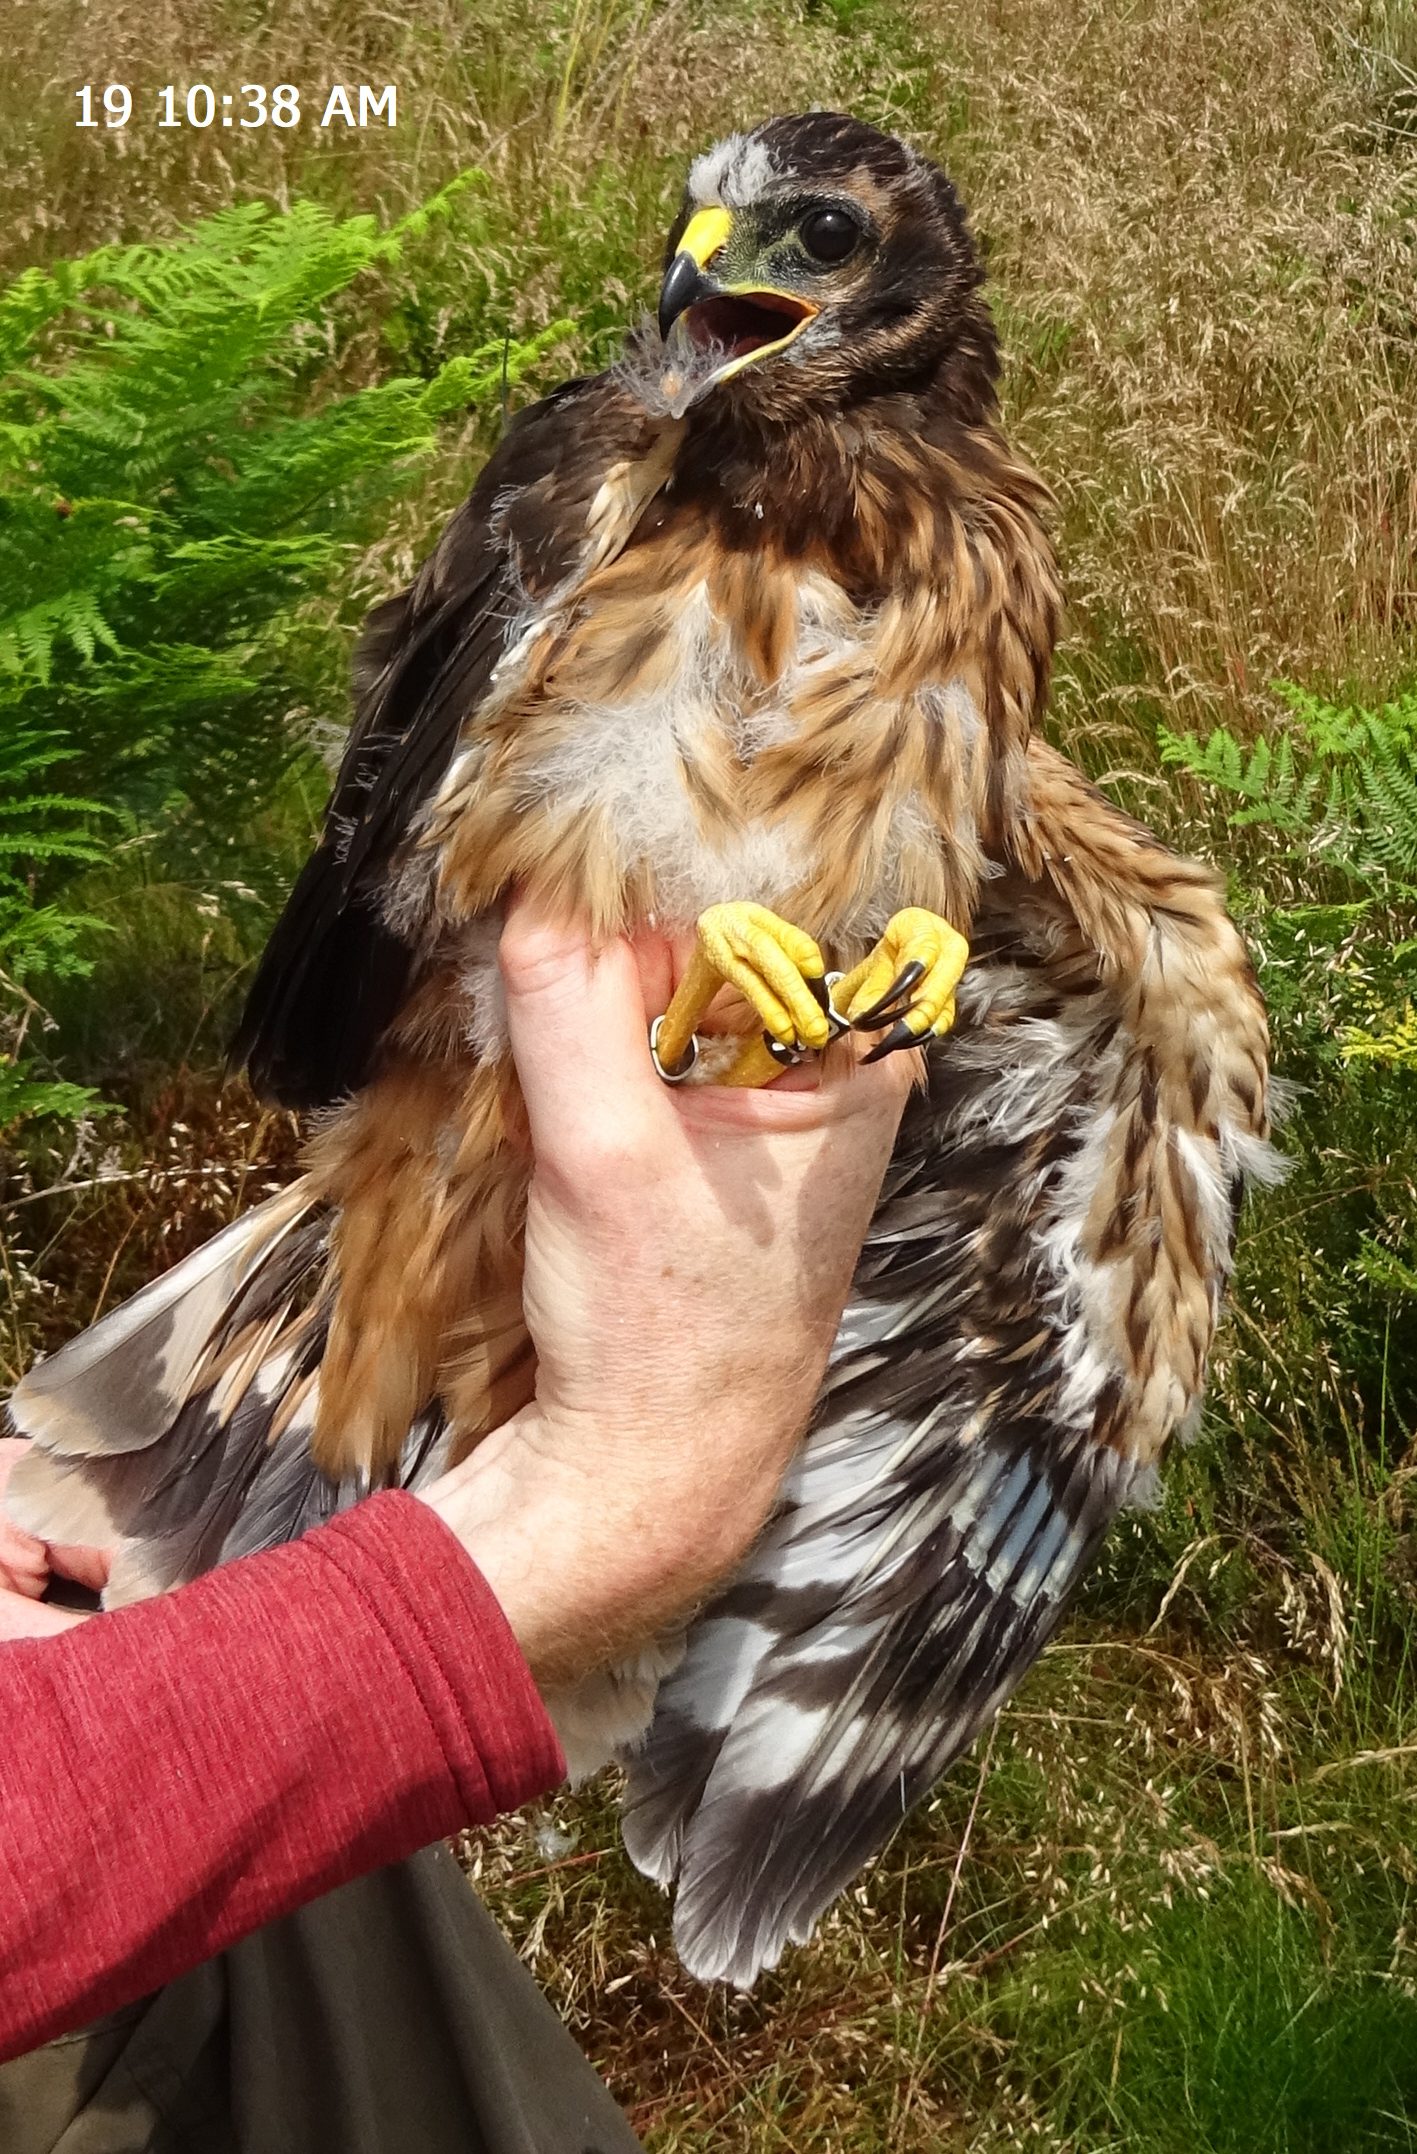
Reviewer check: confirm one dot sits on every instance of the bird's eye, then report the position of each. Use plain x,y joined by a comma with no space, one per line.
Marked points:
829,235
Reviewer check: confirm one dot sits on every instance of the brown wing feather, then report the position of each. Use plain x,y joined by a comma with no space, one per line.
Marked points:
336,972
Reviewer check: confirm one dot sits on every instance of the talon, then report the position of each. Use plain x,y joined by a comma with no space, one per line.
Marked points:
900,1035
894,1000
908,982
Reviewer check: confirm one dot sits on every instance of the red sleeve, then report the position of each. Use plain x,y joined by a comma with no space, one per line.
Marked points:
178,1773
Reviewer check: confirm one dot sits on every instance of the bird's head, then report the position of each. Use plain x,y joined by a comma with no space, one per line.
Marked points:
813,261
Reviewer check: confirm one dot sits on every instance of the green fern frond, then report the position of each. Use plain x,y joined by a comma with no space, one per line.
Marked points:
27,1098
1340,780
169,476
181,495
28,639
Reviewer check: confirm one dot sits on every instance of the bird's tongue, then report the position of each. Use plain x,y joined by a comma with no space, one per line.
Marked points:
740,323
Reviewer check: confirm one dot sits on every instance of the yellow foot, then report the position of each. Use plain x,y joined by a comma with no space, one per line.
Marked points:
775,967
907,982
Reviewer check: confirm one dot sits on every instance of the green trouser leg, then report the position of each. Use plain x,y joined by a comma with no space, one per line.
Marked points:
389,2018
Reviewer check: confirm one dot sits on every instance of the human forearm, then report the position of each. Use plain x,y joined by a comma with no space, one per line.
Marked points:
176,1774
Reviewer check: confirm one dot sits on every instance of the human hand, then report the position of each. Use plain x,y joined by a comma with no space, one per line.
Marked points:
26,1566
688,1255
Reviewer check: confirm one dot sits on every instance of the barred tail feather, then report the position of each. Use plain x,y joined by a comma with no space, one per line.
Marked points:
805,1722
115,1386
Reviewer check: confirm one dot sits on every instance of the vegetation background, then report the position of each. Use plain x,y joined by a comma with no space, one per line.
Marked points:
1172,1903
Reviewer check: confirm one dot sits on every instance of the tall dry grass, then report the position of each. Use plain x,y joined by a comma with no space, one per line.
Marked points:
1201,227
543,100
1200,220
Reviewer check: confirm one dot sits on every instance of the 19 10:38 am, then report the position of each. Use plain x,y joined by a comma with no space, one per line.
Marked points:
251,105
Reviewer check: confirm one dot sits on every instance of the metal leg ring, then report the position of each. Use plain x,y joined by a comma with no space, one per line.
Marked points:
686,1067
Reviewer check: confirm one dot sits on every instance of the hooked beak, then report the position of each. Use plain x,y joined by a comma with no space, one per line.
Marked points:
684,284
745,321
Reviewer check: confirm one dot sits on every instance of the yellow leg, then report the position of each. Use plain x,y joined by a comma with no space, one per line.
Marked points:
751,1066
770,962
908,982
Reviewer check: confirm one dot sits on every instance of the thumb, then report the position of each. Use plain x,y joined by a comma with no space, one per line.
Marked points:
576,1019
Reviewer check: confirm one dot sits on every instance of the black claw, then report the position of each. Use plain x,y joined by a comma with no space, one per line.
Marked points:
822,995
786,1057
900,1035
896,997
883,1012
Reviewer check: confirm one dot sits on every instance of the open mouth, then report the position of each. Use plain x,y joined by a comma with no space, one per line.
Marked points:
744,322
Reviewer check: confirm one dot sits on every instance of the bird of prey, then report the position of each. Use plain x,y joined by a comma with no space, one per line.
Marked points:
751,635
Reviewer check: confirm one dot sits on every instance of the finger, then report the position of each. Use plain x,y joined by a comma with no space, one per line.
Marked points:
25,1574
24,1563
24,1560
86,1566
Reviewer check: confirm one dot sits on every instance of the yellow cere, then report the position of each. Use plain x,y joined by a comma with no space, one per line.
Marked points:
706,231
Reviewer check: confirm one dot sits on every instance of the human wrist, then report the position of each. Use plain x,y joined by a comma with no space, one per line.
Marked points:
588,1549
535,1540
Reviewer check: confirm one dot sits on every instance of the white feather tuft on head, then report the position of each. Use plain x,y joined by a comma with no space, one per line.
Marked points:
732,174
